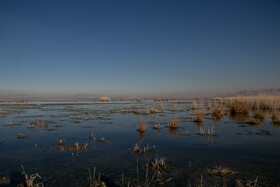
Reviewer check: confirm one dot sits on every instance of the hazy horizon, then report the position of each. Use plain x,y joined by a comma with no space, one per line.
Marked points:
138,48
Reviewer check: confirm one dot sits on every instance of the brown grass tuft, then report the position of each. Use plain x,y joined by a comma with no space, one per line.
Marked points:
275,119
239,108
218,113
174,124
259,115
142,126
200,117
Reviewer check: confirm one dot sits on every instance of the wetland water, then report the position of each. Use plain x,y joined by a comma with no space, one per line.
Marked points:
249,150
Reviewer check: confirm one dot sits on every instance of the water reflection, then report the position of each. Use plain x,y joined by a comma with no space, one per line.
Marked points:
200,125
142,134
239,117
173,131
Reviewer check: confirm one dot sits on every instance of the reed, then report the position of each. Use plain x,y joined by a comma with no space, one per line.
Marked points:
30,180
91,179
22,136
142,126
239,108
218,113
275,119
257,102
159,164
200,117
258,114
209,132
174,124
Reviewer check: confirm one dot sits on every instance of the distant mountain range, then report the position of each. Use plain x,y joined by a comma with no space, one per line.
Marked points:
266,92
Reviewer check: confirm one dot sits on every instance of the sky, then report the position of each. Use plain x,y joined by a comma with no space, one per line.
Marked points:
134,48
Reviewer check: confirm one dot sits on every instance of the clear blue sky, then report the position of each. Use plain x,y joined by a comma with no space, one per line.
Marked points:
145,47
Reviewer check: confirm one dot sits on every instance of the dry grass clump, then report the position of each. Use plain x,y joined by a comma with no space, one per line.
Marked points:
258,102
200,117
157,126
239,108
40,123
142,126
5,181
29,180
30,126
194,105
105,99
153,110
257,118
147,111
258,114
138,100
209,132
22,136
275,119
75,147
208,106
102,140
159,164
173,108
93,182
3,113
218,113
246,182
11,124
137,150
221,171
174,124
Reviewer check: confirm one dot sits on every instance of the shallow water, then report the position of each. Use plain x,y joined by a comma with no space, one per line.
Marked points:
249,150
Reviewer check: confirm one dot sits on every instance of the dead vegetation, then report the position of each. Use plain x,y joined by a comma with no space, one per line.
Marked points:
92,181
21,136
5,181
209,132
19,106
246,182
174,124
142,126
239,108
137,150
159,164
11,124
200,117
29,181
138,100
221,171
258,114
75,147
102,140
30,126
257,102
275,119
257,118
157,126
40,123
218,113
